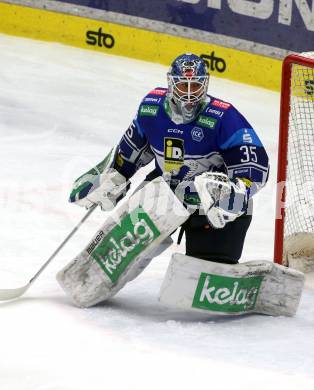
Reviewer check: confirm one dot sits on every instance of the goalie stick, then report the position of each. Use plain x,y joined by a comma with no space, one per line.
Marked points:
12,293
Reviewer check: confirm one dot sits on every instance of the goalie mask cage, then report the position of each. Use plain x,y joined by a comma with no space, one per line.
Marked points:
294,227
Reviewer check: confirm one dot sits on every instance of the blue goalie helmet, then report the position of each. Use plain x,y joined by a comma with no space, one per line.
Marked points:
187,85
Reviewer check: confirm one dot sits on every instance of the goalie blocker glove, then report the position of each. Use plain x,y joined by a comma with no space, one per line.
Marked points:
223,200
102,185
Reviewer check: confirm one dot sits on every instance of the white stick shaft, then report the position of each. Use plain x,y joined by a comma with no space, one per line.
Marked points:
7,294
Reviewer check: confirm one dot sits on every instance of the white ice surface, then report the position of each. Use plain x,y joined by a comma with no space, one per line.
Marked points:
61,109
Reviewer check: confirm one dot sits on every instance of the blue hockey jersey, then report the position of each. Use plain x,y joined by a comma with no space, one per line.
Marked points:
219,139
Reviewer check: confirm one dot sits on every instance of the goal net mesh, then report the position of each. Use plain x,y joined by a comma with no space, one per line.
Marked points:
299,208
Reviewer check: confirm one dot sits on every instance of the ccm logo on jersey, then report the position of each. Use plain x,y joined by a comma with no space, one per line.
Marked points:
159,92
220,104
175,131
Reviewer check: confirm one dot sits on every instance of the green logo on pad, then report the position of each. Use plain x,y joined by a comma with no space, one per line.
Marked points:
124,242
226,294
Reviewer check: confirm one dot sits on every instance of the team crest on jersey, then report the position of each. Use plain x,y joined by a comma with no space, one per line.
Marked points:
197,134
173,154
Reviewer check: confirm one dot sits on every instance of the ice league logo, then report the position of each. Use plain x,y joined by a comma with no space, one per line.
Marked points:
226,294
123,243
197,134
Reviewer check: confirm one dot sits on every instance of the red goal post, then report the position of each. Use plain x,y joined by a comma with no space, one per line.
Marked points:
295,170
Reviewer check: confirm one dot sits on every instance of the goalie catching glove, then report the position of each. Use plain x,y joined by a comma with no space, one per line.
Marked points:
102,185
223,200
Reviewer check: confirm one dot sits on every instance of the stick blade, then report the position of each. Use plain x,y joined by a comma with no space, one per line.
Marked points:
12,293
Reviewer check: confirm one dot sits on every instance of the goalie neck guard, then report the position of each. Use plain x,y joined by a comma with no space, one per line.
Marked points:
187,86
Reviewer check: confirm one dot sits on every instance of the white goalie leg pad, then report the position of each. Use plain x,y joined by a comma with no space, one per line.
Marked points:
251,287
124,245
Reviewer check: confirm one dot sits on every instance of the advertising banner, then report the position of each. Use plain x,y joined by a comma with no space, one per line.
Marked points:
285,24
119,39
